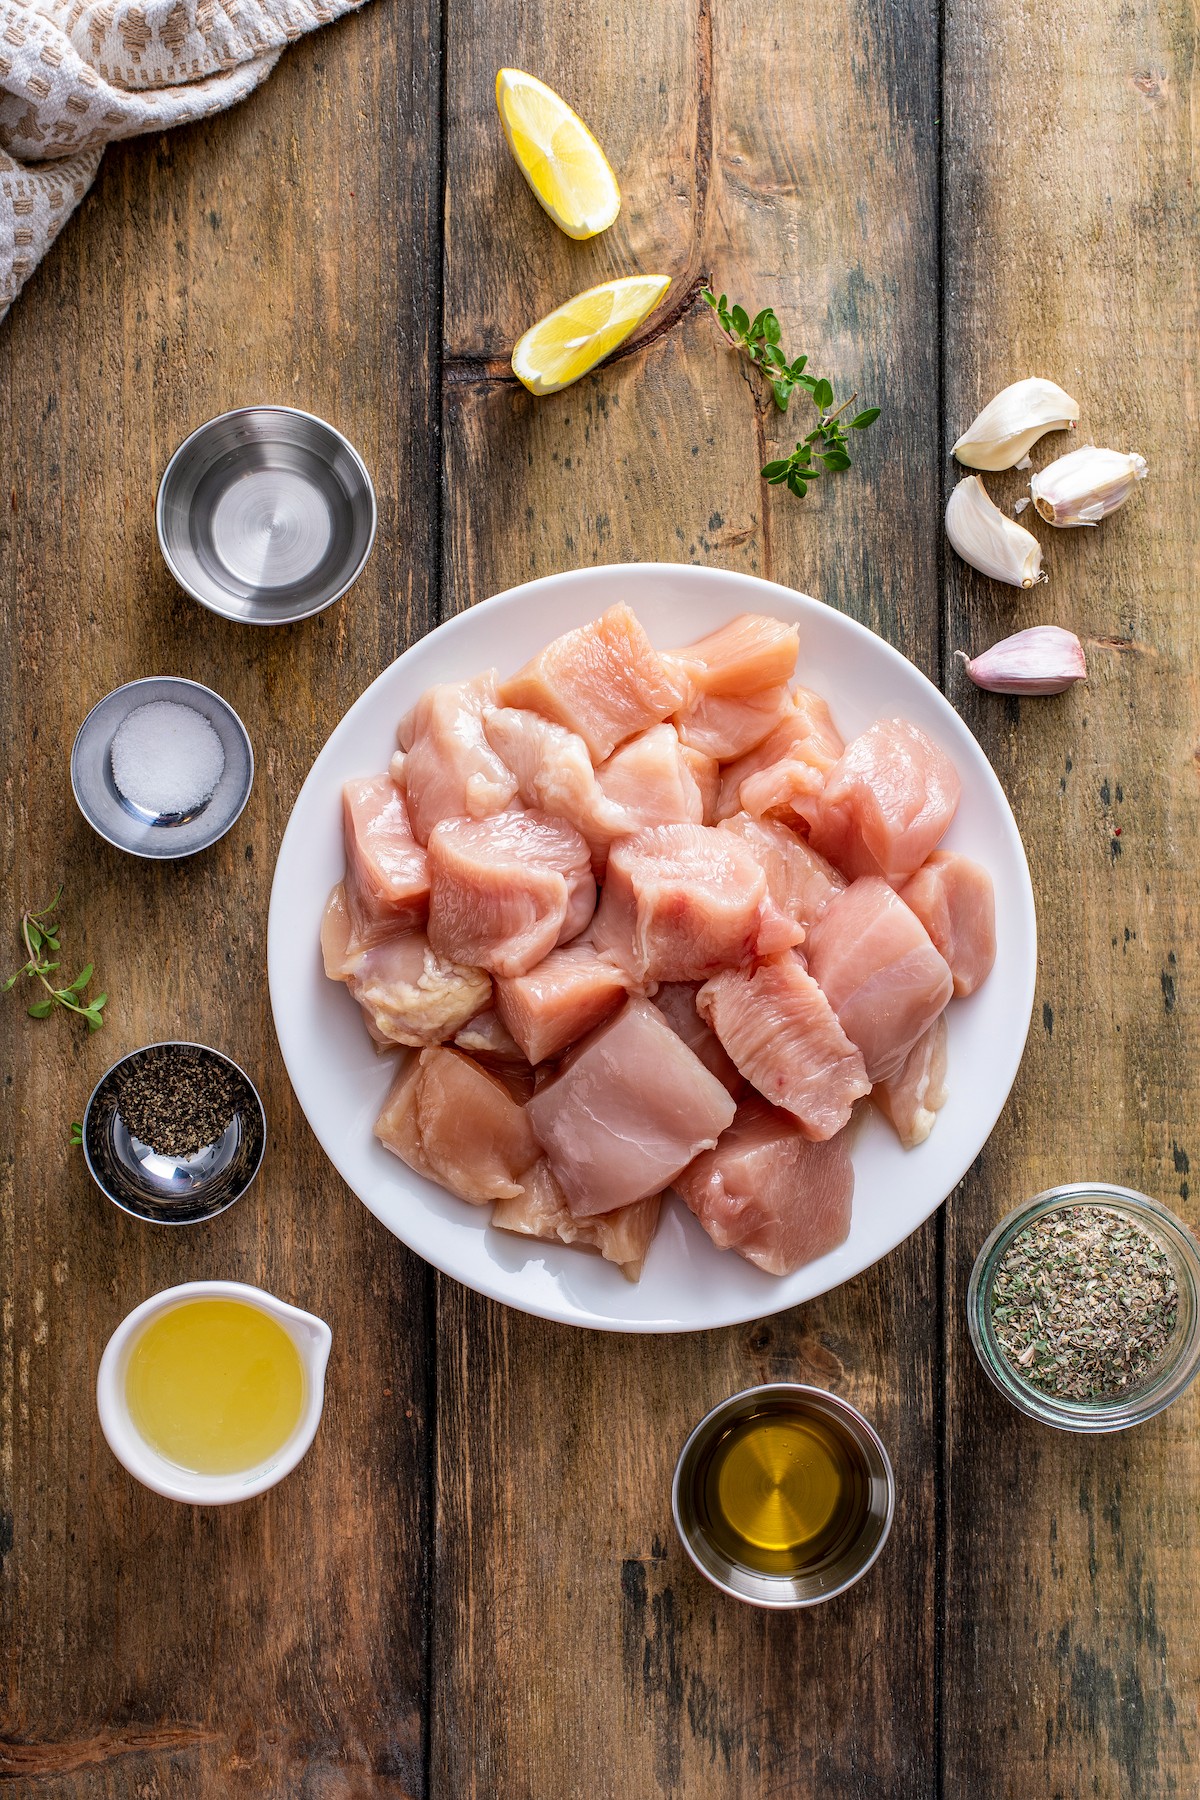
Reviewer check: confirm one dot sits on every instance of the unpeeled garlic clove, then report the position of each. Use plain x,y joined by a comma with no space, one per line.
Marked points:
989,541
1085,486
1043,660
1010,425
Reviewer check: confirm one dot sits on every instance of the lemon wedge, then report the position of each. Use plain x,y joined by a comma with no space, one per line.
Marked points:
583,331
557,154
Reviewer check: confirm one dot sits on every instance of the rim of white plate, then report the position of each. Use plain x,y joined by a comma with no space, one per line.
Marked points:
425,1224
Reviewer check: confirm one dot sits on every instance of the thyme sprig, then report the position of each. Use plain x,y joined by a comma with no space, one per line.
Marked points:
39,934
826,445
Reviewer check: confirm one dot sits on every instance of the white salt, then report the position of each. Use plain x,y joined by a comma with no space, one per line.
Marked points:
167,758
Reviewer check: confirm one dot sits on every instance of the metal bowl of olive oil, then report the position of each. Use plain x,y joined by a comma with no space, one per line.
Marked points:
783,1495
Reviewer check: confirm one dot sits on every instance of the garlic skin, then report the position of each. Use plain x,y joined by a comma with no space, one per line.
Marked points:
1043,660
1011,424
1085,486
988,540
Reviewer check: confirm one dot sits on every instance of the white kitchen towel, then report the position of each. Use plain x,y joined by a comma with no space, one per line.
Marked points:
76,74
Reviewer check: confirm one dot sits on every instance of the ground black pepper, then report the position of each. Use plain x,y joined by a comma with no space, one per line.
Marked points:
174,1106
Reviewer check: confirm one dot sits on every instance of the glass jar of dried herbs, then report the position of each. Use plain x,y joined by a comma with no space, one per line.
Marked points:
1084,1307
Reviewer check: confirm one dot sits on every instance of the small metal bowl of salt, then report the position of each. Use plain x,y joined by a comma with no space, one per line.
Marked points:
174,1133
162,767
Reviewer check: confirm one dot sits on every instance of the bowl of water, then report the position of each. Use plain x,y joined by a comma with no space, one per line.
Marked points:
266,515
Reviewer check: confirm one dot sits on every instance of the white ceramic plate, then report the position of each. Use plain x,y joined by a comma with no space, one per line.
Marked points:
687,1284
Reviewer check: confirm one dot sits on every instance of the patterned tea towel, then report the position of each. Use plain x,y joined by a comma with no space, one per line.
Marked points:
75,74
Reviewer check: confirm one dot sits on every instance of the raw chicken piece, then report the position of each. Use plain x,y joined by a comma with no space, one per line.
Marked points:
449,1119
605,680
769,1192
630,1107
752,652
338,951
880,972
450,770
676,1001
681,901
622,1237
729,725
799,880
790,765
706,773
554,774
504,891
953,898
886,804
783,1035
912,1098
408,993
388,866
649,779
555,1003
487,1037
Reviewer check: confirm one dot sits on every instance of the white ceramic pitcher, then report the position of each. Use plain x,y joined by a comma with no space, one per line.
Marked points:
312,1338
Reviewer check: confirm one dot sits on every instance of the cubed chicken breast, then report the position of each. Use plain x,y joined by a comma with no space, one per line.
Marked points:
504,891
488,1037
558,1001
682,901
451,1120
785,1038
604,680
886,804
389,867
408,993
799,880
676,1001
338,952
749,654
954,900
706,773
630,1107
554,774
650,780
789,765
880,972
622,1237
771,1193
726,726
912,1098
449,770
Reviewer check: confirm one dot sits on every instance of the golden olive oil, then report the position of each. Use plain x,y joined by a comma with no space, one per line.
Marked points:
215,1386
784,1490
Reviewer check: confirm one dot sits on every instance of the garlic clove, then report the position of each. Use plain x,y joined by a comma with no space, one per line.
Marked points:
990,542
1043,660
1085,486
1011,424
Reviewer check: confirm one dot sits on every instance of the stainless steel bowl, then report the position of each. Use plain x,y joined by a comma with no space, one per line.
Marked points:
168,1189
846,1562
266,515
118,820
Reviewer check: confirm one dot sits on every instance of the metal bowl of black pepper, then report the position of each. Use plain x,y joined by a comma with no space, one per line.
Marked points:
1084,1307
174,1133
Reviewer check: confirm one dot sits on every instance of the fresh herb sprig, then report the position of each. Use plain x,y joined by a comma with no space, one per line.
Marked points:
826,445
759,339
39,934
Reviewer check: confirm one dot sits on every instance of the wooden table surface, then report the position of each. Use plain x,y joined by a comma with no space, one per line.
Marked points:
471,1586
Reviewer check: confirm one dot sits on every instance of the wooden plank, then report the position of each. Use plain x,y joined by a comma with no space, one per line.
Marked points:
1072,1647
575,1649
279,1647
